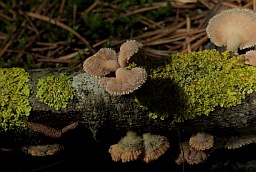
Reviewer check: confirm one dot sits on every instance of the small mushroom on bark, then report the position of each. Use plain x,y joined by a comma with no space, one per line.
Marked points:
127,50
190,155
236,142
155,146
128,148
233,28
250,57
201,141
125,82
101,63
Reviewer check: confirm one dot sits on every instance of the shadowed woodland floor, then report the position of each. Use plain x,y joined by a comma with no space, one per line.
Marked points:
77,29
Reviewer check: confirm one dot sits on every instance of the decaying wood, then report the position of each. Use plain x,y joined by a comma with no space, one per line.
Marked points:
104,114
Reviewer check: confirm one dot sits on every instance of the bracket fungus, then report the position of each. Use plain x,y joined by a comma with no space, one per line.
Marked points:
43,150
190,155
132,147
233,28
250,57
201,141
128,148
155,146
238,142
106,60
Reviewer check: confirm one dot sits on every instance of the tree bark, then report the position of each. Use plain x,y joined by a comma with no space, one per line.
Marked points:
105,114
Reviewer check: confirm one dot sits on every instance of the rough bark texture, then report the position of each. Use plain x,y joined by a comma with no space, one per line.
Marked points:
103,113
107,118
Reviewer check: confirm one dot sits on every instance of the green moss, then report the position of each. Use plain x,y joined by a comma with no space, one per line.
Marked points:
55,91
14,94
184,86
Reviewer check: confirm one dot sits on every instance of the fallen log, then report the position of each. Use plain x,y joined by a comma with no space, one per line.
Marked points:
109,116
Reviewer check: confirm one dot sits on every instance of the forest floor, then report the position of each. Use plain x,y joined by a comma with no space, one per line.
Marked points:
39,34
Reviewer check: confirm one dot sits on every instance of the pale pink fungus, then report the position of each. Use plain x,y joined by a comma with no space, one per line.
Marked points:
190,155
233,28
250,57
240,141
155,146
125,82
101,63
127,50
128,148
201,141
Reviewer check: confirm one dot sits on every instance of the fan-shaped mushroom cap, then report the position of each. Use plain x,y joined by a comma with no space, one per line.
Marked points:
233,28
238,142
201,141
101,63
125,82
127,50
43,150
155,146
128,148
250,57
190,155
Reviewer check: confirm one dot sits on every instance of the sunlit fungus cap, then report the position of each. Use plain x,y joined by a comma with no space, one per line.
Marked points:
233,28
101,63
250,57
125,82
127,50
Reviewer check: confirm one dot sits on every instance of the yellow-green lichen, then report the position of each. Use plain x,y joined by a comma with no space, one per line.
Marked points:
14,98
189,85
55,91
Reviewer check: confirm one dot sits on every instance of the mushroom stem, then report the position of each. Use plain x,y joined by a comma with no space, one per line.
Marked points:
233,42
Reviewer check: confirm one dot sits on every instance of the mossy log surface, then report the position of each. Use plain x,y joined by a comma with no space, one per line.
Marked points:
108,115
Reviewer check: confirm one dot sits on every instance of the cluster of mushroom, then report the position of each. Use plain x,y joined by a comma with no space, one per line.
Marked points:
106,60
193,151
147,147
235,29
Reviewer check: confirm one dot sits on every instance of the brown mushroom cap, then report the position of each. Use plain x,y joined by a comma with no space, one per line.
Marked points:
43,150
233,28
128,148
101,63
127,50
155,146
125,82
190,155
238,142
250,57
201,141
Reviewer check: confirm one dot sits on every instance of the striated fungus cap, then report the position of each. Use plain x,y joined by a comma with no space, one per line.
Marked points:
250,57
190,155
233,28
101,63
236,142
155,146
127,50
128,148
201,141
125,82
